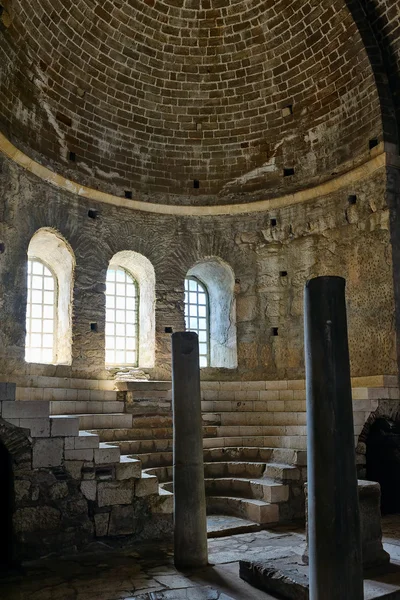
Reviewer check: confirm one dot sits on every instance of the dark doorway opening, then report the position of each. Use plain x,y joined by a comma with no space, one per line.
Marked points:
383,462
6,508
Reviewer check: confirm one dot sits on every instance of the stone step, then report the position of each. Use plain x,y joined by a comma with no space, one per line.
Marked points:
104,454
64,425
234,469
147,485
163,474
228,469
146,407
141,447
128,468
275,431
257,489
162,503
258,511
71,407
281,472
224,525
155,459
141,386
104,421
238,469
41,381
284,456
136,434
60,394
83,441
150,433
107,453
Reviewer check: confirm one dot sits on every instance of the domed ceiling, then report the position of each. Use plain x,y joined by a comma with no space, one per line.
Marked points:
187,101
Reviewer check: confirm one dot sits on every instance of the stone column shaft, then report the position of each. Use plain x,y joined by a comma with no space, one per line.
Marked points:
333,513
190,523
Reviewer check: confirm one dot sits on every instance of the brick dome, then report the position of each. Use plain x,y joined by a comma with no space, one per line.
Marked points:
188,101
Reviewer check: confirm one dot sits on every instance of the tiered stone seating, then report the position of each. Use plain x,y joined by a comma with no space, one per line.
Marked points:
254,436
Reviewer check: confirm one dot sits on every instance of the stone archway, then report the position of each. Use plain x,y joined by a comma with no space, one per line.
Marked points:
15,455
378,452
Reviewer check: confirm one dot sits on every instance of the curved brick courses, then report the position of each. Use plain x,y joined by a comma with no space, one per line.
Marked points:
153,96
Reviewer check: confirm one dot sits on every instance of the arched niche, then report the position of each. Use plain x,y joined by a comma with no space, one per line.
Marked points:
219,279
142,271
51,248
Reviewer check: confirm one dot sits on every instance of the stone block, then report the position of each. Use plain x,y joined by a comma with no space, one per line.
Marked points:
147,485
101,521
89,489
39,428
369,496
84,455
25,410
128,468
7,392
111,493
69,443
86,440
47,452
276,385
64,426
106,454
74,468
122,520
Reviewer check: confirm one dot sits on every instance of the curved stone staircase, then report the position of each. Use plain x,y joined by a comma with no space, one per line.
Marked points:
254,437
247,480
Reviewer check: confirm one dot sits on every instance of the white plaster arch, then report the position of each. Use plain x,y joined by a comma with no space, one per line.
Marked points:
50,247
143,272
219,279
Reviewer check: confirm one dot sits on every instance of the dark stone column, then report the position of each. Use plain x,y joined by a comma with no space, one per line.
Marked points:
333,513
190,523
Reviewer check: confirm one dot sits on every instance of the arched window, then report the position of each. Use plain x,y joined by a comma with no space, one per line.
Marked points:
197,316
51,265
122,318
217,279
41,319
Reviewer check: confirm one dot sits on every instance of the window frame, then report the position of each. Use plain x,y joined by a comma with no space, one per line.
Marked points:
208,338
115,267
55,306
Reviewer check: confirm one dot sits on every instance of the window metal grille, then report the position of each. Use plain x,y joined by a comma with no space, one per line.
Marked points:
197,316
122,318
41,310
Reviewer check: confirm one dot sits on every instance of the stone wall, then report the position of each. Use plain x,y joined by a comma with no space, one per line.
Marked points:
151,99
68,489
272,254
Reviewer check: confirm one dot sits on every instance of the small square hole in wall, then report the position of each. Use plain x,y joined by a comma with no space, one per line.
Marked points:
2,247
373,143
287,110
72,156
93,214
352,199
94,327
169,330
128,194
196,184
283,273
288,172
273,222
275,331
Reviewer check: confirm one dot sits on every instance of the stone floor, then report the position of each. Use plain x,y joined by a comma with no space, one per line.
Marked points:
147,571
